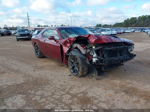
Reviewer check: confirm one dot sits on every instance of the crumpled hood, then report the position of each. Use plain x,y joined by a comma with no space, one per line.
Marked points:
97,39
93,39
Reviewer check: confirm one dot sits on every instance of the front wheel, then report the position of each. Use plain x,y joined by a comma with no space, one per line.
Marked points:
77,63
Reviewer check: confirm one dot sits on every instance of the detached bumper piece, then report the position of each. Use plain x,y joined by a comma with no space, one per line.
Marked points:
114,55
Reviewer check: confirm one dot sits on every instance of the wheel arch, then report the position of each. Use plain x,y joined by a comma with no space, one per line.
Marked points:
73,47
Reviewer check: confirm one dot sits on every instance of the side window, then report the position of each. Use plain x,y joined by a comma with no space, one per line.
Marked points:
49,33
55,34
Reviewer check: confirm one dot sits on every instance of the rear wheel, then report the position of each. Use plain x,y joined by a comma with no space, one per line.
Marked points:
38,52
77,64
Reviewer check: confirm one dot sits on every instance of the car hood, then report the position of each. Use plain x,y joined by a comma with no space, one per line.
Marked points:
97,39
93,39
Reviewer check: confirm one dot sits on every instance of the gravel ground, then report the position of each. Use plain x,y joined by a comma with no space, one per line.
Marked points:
27,82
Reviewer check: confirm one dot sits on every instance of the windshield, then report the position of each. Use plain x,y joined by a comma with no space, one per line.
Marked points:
36,32
73,32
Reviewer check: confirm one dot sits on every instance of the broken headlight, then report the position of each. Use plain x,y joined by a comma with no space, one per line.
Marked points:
131,48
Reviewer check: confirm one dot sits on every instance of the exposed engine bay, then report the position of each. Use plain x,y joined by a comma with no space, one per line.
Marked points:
107,54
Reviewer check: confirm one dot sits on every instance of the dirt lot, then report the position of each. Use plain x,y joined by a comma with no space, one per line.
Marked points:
31,83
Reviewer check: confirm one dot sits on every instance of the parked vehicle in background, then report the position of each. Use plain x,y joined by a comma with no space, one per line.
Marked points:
5,32
132,30
14,32
95,31
80,49
120,30
113,31
146,30
137,30
0,32
23,34
148,33
105,31
36,32
128,30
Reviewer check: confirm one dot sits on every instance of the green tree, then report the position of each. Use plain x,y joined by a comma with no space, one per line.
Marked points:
99,25
141,21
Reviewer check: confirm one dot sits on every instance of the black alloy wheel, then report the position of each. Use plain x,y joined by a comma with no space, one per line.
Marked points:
77,63
38,52
74,65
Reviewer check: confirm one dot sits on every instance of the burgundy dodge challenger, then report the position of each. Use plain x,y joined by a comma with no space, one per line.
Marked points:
80,49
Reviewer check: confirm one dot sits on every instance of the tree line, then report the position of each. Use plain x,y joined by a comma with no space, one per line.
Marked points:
141,21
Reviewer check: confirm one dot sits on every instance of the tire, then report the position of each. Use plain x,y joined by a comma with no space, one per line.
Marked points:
17,39
38,52
77,64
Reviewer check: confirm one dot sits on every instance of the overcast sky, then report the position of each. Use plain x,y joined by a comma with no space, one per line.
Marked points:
82,12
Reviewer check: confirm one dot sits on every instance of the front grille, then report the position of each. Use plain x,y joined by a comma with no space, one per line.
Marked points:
109,45
115,51
24,34
113,54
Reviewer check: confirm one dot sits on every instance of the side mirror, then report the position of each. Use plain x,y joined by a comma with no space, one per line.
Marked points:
51,38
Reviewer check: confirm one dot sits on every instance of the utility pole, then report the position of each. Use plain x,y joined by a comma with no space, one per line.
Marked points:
71,19
28,20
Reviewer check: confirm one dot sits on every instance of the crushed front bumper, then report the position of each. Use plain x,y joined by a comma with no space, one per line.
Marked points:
113,55
114,60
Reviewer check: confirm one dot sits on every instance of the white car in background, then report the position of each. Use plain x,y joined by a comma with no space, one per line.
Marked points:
128,30
105,31
113,32
137,30
146,30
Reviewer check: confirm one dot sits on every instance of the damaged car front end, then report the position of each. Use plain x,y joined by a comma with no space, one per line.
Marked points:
110,54
104,52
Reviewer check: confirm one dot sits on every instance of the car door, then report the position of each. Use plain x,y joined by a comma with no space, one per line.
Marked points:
52,46
43,37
